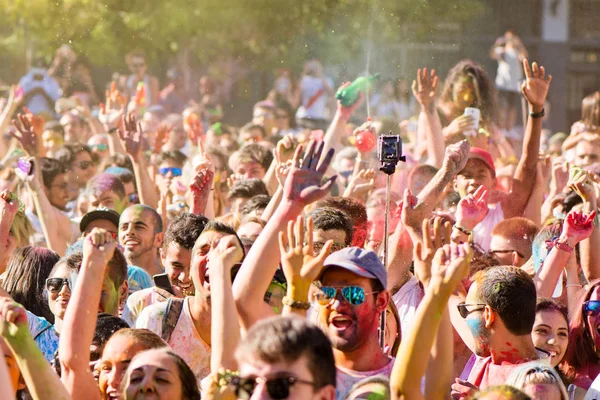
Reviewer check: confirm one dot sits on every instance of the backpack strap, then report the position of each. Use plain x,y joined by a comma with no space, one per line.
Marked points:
164,294
174,308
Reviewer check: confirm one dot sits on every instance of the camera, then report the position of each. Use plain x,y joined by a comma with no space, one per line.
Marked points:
389,153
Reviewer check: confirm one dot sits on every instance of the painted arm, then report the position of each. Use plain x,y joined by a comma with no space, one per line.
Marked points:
581,182
42,382
302,187
80,318
451,264
535,89
577,227
300,265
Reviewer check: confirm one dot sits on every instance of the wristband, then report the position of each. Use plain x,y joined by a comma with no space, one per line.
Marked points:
562,246
300,305
463,230
573,285
113,130
537,114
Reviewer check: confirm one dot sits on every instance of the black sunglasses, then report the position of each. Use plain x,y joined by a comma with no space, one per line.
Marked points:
278,388
464,312
55,285
84,164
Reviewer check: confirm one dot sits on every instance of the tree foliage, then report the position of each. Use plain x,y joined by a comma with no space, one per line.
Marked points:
261,33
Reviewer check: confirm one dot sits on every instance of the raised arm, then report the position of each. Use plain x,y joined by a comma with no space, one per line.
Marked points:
300,264
450,266
302,187
337,128
584,184
535,89
429,126
224,328
41,380
577,227
131,136
419,208
81,316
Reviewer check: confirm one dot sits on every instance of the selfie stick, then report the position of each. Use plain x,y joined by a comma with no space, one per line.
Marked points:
389,152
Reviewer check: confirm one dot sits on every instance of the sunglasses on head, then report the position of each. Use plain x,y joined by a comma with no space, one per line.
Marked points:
99,147
354,295
173,170
55,285
83,164
278,388
133,198
591,307
464,312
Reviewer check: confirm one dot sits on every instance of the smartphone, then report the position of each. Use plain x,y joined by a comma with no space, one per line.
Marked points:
25,166
475,113
162,281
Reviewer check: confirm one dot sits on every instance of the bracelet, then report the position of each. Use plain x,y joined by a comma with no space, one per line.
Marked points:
300,305
562,246
537,114
463,230
113,130
573,285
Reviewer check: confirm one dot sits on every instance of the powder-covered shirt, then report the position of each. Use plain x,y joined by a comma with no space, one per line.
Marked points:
407,300
185,339
44,334
138,301
346,378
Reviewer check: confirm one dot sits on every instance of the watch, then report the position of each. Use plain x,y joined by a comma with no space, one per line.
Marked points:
537,114
300,305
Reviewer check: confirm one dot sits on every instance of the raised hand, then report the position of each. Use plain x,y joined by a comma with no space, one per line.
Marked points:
9,205
360,184
283,168
227,253
536,85
459,125
472,209
162,137
113,110
13,321
131,136
581,182
346,112
560,175
578,226
424,88
451,264
200,189
285,148
304,183
456,157
411,213
99,245
27,134
301,266
425,250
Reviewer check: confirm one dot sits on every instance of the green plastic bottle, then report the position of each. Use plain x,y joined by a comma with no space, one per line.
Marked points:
350,94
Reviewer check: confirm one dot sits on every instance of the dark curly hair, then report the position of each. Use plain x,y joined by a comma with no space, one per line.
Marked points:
184,230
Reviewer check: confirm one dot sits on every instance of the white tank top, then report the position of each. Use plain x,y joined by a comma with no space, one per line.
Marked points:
482,234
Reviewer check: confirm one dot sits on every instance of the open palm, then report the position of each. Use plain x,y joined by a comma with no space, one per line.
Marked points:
536,85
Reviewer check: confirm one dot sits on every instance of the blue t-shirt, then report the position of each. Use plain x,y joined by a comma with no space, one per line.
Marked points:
44,334
138,279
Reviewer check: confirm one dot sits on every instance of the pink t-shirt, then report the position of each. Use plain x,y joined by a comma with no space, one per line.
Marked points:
485,373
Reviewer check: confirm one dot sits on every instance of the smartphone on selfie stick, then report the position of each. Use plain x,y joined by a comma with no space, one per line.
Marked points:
389,153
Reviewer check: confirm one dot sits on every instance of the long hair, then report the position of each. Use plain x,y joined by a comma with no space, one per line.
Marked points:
581,350
26,274
590,111
485,93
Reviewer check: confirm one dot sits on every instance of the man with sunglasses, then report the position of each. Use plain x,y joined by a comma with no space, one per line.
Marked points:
352,294
285,358
512,241
499,311
78,159
170,169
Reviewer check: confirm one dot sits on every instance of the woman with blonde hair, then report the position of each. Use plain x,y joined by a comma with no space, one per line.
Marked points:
539,381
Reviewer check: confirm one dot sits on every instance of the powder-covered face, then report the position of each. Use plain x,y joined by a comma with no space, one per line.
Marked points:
476,323
476,173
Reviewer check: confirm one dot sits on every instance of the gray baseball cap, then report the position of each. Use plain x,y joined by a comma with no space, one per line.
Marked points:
359,261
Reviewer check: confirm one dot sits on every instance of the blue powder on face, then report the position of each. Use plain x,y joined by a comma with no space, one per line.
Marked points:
475,325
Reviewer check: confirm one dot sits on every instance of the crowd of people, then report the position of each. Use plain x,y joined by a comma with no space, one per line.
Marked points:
152,250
